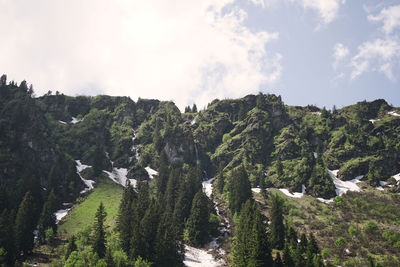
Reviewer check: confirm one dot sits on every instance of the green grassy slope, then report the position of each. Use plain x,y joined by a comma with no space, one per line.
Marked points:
83,213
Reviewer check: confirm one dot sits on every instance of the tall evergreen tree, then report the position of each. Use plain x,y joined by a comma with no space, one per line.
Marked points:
125,217
250,245
47,218
163,173
239,189
277,227
99,242
71,246
7,237
24,226
219,182
197,224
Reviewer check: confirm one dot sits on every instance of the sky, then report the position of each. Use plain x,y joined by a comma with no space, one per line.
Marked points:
319,52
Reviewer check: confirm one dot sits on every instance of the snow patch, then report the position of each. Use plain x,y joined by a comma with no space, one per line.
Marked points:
195,257
382,183
62,122
256,190
343,186
294,194
373,120
118,175
394,113
315,155
151,172
60,214
380,188
193,121
75,120
396,177
208,187
316,113
327,201
89,183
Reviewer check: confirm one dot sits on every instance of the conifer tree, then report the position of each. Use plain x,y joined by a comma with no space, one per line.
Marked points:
277,227
172,190
194,108
219,182
163,173
71,246
239,189
197,225
148,231
99,242
7,237
278,261
250,245
24,226
125,216
47,218
287,257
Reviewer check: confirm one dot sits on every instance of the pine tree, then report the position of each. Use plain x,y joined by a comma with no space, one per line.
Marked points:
171,193
163,173
250,245
219,182
125,217
194,108
71,246
24,226
148,231
197,225
7,237
287,257
109,258
277,227
239,189
47,218
99,243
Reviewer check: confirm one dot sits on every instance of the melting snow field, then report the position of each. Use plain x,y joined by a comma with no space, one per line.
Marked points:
208,187
75,120
195,257
118,175
151,172
294,194
60,214
89,183
344,186
393,113
256,190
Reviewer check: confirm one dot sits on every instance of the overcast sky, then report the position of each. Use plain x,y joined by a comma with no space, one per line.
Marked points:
321,52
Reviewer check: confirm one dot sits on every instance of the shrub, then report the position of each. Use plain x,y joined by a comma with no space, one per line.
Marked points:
326,253
352,230
371,227
338,201
340,242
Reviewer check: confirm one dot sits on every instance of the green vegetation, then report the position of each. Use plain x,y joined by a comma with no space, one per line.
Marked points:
82,215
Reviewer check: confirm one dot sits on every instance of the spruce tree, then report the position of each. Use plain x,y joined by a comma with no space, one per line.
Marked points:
277,227
125,217
239,189
99,242
163,173
278,261
24,226
196,230
7,237
47,218
250,245
219,182
71,246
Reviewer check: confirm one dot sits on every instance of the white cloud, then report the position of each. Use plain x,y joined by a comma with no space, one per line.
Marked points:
188,51
382,55
390,17
327,9
340,53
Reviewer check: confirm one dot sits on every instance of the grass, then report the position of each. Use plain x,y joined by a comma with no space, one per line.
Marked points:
82,214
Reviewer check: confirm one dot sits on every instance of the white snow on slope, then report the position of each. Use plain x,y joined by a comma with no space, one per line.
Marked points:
373,120
118,175
75,120
195,257
60,214
208,187
256,190
316,113
89,183
315,155
151,172
294,194
62,122
396,177
343,186
394,113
